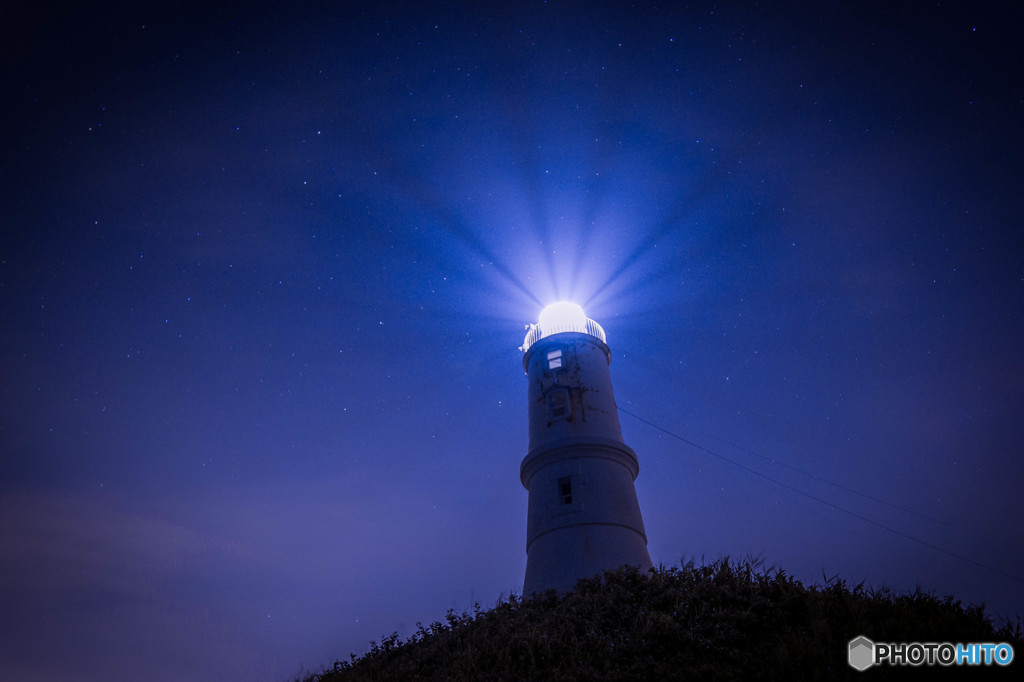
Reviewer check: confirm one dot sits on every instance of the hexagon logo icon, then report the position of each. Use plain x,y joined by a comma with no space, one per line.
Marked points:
862,653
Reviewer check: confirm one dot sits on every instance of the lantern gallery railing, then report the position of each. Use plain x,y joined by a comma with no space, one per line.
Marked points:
559,318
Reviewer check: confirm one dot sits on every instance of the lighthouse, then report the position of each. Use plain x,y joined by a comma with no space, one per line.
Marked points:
583,515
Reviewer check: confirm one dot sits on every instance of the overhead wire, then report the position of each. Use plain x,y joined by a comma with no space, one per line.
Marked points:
836,484
823,501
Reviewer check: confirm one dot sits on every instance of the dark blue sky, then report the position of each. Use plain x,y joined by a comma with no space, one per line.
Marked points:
264,272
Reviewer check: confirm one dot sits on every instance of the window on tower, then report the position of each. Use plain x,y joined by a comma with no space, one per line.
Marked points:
558,403
554,359
565,490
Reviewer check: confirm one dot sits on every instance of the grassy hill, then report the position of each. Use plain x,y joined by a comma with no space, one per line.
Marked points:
721,621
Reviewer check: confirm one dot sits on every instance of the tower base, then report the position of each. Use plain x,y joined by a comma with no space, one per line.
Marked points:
560,558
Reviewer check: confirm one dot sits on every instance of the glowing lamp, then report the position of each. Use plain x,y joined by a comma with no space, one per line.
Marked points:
565,316
559,318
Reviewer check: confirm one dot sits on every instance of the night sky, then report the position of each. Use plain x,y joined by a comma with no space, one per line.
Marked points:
264,273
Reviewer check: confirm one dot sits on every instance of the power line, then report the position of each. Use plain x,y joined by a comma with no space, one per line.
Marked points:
819,478
825,502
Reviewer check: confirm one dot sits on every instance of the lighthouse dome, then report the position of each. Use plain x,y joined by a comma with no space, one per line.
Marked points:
561,317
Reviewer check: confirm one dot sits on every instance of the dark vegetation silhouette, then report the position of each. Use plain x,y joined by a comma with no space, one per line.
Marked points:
719,621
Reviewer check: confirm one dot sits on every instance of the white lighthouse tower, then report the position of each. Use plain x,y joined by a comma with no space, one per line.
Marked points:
583,515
